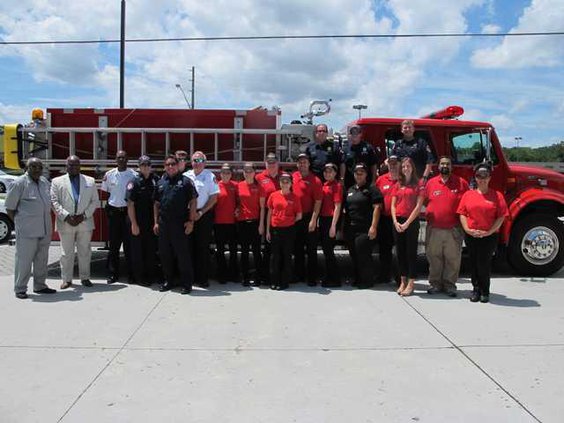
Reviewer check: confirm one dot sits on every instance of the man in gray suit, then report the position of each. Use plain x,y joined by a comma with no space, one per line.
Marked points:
75,199
29,206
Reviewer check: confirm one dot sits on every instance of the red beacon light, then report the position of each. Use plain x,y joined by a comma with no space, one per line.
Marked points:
449,112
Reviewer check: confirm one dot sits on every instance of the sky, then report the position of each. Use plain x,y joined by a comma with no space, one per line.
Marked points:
514,82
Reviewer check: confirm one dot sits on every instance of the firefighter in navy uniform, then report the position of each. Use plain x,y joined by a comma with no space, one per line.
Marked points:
174,215
416,149
358,152
140,199
320,151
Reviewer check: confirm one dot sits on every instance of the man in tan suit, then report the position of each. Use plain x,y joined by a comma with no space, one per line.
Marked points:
75,199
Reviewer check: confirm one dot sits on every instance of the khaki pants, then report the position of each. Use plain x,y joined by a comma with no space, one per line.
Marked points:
444,249
80,239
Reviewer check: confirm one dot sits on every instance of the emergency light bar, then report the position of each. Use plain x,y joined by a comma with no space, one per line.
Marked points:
449,112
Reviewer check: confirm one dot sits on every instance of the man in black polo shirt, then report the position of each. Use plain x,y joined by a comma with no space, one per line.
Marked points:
320,151
174,215
358,152
415,148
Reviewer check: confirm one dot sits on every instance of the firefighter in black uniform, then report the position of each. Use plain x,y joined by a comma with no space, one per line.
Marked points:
415,148
363,203
357,152
174,214
140,197
320,151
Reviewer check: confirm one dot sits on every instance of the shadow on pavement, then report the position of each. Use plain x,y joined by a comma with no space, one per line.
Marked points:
502,300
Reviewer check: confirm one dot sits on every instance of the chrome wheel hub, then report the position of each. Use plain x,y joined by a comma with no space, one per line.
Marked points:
540,245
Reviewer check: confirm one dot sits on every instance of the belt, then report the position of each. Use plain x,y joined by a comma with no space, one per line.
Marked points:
118,208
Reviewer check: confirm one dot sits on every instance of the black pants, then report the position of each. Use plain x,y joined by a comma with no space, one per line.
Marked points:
119,234
481,251
406,248
201,238
385,238
143,253
306,242
282,246
332,273
249,239
360,249
226,234
174,249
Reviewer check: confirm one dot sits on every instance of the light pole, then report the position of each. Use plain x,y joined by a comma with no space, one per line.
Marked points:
184,95
517,139
122,58
360,107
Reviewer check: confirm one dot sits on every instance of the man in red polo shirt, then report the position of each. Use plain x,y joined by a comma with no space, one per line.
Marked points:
444,234
269,182
309,189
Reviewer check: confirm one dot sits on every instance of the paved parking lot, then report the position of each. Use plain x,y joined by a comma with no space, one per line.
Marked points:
231,354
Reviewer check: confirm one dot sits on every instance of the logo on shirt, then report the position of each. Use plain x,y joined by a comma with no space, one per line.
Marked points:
437,193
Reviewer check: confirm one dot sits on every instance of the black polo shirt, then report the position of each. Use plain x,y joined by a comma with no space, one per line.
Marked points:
141,192
417,150
321,154
359,203
174,196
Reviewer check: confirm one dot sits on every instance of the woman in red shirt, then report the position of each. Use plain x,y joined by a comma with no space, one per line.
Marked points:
331,204
249,230
284,209
482,212
406,206
224,226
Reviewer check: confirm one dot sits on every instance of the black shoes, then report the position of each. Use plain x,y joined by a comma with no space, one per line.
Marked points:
45,291
86,283
205,284
165,287
484,298
112,279
21,295
451,293
434,290
186,290
246,282
475,297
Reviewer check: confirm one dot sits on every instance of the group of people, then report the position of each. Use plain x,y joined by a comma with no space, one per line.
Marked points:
277,216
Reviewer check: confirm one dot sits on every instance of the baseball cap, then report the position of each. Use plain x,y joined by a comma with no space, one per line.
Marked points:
271,158
330,166
303,156
393,158
144,160
355,129
360,166
226,166
285,175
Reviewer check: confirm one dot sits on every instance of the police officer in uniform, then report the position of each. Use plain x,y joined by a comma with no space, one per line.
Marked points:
357,152
363,204
115,183
414,148
140,198
174,214
28,204
320,151
206,185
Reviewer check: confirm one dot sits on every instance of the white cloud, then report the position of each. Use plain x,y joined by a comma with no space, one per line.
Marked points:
537,51
491,29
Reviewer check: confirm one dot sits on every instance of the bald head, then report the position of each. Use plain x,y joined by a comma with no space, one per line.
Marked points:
34,168
73,165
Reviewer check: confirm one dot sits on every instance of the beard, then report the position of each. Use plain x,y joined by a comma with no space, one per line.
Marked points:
444,171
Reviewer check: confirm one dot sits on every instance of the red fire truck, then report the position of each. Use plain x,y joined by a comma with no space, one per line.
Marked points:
532,238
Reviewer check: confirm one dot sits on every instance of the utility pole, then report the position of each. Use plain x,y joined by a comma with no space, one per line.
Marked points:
193,85
122,58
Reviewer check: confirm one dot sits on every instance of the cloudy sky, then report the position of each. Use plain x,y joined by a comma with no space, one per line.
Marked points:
514,82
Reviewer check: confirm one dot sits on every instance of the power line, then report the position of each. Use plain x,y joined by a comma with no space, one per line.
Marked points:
289,37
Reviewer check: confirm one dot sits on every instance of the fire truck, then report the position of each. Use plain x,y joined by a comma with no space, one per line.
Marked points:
532,238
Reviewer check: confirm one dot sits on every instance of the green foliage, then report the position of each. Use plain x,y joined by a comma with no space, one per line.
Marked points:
552,153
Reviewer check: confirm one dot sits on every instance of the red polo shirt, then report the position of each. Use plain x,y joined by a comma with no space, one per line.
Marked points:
482,210
385,184
308,190
268,183
226,203
442,201
249,204
284,209
406,198
332,194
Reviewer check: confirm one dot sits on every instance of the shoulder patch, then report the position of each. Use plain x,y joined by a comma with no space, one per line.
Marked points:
130,186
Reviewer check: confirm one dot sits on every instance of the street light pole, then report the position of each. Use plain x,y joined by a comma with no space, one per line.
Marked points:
517,139
184,95
360,107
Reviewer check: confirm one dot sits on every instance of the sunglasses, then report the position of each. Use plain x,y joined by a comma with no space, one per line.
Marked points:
199,160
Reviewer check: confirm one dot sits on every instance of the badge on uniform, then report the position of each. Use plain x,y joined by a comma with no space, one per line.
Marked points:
179,183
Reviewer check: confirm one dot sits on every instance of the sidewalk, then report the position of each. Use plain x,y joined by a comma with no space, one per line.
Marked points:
119,353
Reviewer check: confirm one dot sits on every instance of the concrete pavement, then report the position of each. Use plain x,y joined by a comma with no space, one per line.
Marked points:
230,354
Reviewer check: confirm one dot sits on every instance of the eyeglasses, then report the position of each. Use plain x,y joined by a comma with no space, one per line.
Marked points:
170,164
321,130
199,160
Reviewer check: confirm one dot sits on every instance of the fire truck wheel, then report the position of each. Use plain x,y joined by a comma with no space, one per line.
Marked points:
6,228
2,187
536,247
